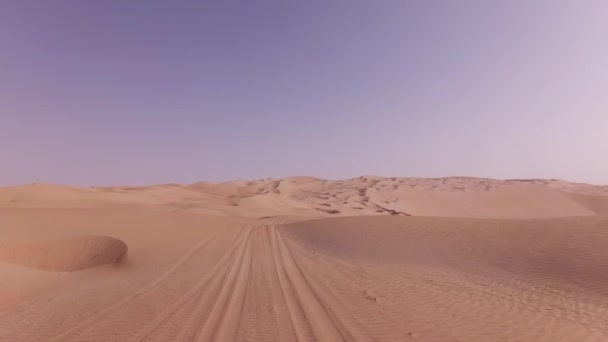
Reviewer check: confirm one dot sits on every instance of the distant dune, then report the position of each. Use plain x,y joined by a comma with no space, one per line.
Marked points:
306,259
371,195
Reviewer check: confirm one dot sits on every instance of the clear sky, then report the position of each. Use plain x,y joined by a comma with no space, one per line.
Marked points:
141,92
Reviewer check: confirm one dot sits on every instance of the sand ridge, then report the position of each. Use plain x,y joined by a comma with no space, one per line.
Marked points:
309,196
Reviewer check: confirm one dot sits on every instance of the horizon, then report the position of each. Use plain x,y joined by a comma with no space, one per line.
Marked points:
283,178
98,94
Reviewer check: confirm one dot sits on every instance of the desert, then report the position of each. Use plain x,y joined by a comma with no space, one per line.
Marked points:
310,171
306,259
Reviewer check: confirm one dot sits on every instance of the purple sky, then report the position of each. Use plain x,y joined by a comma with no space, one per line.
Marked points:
141,92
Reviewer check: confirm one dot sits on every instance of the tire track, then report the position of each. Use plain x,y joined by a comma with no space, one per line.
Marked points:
300,326
215,275
218,286
223,321
194,319
212,305
298,295
349,329
284,306
141,292
258,321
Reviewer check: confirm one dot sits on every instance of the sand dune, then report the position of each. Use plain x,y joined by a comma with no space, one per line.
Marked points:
305,259
70,254
369,195
438,279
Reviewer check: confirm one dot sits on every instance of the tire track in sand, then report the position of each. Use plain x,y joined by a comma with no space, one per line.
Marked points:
212,308
310,313
150,287
223,322
215,276
181,324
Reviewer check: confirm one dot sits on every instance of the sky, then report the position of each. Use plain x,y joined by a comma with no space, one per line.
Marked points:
146,92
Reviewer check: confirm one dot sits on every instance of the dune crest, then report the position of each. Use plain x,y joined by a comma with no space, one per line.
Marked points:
309,196
70,254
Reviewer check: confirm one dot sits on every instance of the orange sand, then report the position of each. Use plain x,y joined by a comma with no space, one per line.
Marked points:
304,259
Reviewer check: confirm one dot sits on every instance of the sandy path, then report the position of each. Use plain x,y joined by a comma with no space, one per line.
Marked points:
256,291
232,306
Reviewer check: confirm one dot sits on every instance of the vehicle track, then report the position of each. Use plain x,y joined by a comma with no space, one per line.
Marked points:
211,301
189,296
215,305
223,321
150,287
324,317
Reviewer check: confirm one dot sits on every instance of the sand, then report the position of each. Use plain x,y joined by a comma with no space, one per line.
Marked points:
305,259
69,254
